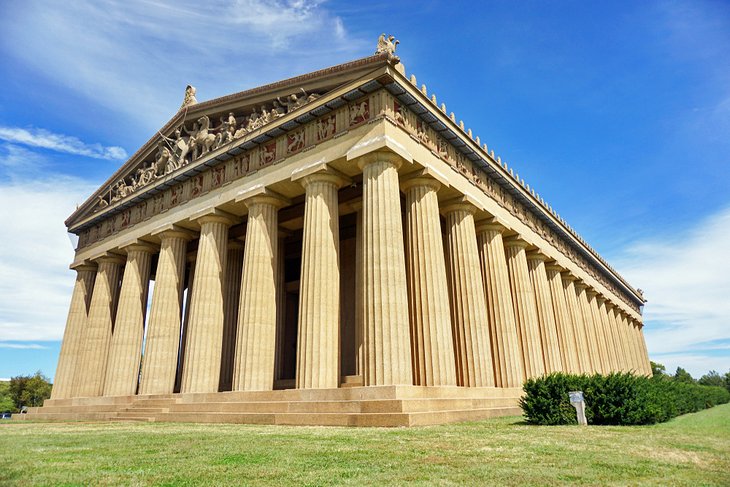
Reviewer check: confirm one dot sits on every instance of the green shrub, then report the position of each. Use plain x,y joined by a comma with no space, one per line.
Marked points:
618,399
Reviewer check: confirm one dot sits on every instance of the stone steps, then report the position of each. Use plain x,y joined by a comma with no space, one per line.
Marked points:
350,406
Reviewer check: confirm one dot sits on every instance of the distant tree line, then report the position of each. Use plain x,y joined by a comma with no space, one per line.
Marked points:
712,378
24,390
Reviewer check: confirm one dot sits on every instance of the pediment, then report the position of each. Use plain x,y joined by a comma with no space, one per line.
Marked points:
202,130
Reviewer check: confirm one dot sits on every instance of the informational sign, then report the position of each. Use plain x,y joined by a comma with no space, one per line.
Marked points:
577,401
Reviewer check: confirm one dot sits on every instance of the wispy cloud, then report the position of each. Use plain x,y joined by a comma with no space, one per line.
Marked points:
687,280
35,282
143,53
23,346
35,137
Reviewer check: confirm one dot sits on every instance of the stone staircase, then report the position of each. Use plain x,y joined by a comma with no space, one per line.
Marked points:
351,405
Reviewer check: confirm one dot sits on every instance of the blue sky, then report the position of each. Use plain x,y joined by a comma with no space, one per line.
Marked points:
618,113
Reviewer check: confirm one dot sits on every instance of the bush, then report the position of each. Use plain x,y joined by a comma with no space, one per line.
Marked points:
618,399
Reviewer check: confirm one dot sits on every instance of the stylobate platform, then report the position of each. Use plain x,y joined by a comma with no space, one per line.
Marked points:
387,406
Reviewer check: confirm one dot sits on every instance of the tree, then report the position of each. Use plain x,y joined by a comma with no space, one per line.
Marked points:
683,376
6,401
27,390
727,380
712,378
657,369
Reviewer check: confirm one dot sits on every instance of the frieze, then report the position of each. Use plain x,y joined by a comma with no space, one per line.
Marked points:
440,147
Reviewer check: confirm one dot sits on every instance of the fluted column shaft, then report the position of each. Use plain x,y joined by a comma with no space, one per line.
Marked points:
231,298
386,336
645,365
160,359
470,324
122,371
201,371
318,339
596,332
579,327
628,346
636,345
616,330
589,328
188,296
95,345
432,347
545,313
256,337
566,335
508,368
63,383
523,300
608,336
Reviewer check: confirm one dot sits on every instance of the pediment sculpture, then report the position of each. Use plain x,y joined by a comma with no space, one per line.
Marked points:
189,142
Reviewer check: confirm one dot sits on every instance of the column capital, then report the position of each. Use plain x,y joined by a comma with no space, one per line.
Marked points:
380,156
173,231
600,298
567,276
320,171
458,204
214,215
138,245
580,285
235,244
553,266
537,255
109,257
490,225
515,241
260,194
419,178
83,266
590,292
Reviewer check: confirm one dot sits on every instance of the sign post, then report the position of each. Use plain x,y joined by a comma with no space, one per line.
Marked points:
577,401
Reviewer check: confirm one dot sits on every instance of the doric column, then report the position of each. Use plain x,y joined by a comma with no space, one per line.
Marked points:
629,359
386,340
523,300
468,302
579,327
359,287
231,297
623,350
63,383
432,346
616,337
201,371
94,349
508,368
589,328
159,363
645,365
598,335
636,339
256,336
566,335
318,338
190,259
607,335
545,312
125,352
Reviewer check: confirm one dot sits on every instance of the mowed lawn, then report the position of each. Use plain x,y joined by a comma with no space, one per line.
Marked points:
690,450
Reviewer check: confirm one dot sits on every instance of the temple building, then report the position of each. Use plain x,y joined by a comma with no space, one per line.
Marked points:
335,248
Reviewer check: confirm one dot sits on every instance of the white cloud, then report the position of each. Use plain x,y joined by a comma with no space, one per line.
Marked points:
42,138
22,346
686,278
35,282
136,57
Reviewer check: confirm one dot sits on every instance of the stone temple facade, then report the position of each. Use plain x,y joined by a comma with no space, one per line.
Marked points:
333,248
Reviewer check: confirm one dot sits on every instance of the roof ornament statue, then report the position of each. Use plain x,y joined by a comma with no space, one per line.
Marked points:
189,97
388,45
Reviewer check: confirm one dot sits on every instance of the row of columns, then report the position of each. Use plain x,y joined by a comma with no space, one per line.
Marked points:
472,307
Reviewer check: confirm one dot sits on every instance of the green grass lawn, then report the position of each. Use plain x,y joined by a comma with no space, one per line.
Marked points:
690,450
